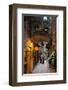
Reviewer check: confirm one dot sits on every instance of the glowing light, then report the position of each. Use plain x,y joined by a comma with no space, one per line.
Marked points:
44,18
29,44
36,48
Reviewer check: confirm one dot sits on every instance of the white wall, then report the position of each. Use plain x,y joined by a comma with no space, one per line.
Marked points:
4,44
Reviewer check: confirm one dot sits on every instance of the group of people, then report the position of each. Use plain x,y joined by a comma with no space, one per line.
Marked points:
43,51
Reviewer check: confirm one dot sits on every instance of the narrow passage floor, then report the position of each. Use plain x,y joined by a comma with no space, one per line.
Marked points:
43,68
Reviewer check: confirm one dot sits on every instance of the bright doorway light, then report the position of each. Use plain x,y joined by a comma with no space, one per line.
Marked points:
44,18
